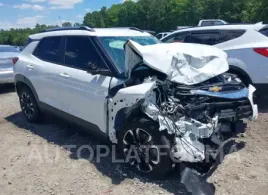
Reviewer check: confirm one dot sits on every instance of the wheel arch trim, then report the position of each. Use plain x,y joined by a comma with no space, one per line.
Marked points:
241,72
19,78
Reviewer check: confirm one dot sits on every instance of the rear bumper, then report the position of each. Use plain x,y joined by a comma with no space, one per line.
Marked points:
6,76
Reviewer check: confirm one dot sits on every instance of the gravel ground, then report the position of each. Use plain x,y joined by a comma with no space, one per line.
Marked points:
34,160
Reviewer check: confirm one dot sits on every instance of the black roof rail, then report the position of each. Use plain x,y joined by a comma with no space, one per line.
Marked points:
131,28
135,28
70,28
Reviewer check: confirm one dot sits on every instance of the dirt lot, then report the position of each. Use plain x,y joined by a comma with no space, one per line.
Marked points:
34,161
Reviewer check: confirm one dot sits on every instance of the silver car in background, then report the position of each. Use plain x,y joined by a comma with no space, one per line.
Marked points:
8,54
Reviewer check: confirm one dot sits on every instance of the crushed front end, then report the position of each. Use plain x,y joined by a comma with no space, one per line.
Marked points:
200,115
184,96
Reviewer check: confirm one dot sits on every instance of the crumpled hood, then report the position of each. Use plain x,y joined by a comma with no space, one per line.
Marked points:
183,63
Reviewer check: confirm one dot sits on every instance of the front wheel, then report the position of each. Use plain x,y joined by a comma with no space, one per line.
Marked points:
145,148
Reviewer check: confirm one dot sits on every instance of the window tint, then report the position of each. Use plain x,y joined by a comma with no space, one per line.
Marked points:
179,37
159,36
218,23
207,38
207,23
49,50
80,52
227,35
264,32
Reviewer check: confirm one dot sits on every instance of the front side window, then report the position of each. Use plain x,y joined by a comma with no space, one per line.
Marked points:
49,50
115,47
207,38
80,52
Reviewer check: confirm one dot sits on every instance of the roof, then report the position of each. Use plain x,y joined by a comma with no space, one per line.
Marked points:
101,32
164,33
257,27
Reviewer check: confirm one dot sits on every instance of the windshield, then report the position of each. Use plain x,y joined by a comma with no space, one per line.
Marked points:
115,47
8,49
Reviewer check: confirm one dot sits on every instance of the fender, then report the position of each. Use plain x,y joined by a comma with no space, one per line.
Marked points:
19,78
126,98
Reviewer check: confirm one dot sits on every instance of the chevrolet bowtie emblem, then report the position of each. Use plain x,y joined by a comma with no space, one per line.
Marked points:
215,89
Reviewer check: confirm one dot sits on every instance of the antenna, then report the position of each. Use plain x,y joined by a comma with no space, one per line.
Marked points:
60,20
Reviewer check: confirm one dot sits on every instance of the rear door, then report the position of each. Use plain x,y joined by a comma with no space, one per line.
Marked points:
42,70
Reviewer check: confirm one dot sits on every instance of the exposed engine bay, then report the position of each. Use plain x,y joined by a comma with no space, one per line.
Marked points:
200,114
196,110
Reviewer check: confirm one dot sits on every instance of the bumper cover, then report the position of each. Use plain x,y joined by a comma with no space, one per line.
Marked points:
239,94
6,76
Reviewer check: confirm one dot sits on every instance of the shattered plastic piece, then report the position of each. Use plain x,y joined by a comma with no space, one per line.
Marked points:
251,90
243,93
183,63
189,149
195,184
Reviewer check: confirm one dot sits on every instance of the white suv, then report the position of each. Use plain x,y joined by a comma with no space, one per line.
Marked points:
166,102
246,47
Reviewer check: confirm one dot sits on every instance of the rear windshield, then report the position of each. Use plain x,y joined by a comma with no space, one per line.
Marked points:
264,31
8,49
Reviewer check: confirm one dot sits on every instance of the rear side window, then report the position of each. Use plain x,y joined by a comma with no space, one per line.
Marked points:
178,37
207,23
264,31
227,35
49,50
28,41
207,38
80,52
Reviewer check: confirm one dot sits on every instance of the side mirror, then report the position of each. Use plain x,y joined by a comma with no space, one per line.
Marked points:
93,68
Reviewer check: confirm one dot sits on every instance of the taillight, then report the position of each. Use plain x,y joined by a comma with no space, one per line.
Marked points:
14,60
262,51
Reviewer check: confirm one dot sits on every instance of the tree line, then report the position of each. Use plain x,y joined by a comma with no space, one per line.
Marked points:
158,15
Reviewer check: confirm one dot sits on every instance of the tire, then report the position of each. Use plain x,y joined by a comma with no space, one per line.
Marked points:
157,166
29,105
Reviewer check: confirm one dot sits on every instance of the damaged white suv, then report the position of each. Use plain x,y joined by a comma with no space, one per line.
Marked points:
141,94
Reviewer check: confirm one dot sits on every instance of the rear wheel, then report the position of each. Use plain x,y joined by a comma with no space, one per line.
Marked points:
29,105
145,148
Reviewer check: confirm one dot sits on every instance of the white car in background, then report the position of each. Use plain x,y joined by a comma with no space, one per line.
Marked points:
8,56
212,22
246,46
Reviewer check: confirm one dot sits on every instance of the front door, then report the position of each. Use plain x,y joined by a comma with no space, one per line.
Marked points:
82,94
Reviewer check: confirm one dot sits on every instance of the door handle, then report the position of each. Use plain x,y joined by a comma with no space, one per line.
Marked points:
30,67
65,75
